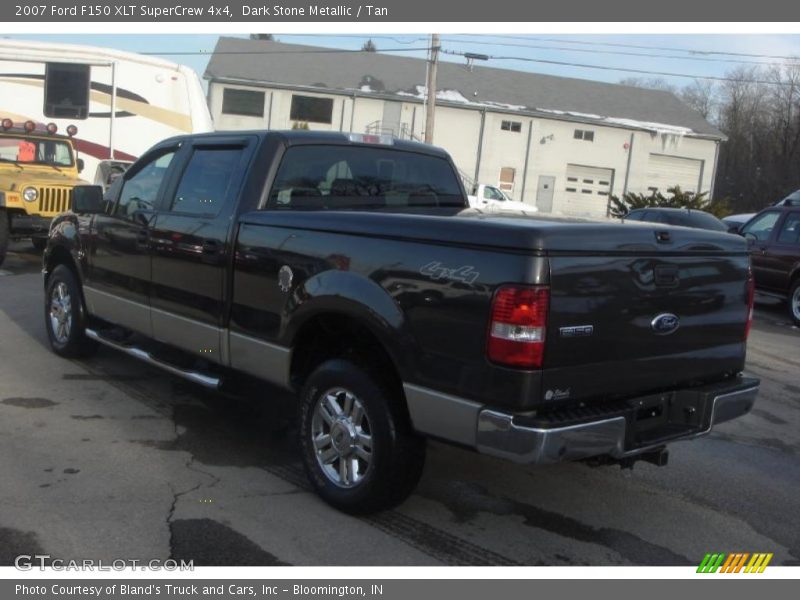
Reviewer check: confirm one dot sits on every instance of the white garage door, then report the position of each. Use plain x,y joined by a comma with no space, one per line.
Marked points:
587,190
664,172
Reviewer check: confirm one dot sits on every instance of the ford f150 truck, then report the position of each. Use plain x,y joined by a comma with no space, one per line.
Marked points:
350,269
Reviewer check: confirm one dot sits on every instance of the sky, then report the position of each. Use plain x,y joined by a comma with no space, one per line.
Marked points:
691,55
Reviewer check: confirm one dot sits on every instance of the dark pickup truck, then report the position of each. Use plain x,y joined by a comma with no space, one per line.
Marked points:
349,269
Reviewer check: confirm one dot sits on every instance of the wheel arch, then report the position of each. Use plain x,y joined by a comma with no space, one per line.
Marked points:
341,314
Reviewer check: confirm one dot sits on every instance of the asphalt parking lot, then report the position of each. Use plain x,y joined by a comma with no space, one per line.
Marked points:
107,458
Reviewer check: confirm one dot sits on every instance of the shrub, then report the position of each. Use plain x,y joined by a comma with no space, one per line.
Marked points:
677,198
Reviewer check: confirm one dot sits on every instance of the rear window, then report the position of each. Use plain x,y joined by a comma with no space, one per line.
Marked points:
696,219
356,177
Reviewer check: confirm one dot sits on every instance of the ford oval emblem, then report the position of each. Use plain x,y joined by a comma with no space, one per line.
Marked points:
665,323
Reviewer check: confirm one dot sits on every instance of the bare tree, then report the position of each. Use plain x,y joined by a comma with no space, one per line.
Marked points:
758,110
701,95
369,46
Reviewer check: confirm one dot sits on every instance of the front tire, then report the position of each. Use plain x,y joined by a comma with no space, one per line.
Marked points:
65,316
5,234
794,302
358,447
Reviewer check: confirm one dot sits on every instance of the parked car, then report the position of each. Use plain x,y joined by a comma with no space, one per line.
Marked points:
347,269
774,238
38,169
735,222
792,199
683,217
492,199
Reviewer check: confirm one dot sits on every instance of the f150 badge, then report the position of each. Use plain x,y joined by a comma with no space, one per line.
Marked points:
665,323
437,271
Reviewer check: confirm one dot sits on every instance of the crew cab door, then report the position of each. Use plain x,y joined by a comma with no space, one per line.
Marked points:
190,245
117,285
760,231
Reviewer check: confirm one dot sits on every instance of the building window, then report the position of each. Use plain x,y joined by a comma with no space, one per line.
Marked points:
507,179
312,109
248,103
515,126
584,134
66,91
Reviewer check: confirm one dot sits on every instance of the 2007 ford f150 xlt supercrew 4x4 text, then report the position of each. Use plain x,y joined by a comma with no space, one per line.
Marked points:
351,270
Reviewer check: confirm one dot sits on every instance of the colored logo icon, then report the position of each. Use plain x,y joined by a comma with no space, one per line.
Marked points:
737,562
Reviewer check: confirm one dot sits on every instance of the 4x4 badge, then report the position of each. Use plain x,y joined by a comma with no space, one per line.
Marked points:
285,276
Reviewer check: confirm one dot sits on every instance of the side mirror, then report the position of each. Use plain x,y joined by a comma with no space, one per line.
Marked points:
87,199
80,164
733,229
751,238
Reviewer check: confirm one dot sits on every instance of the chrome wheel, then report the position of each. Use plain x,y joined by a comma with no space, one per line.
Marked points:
795,303
60,312
342,437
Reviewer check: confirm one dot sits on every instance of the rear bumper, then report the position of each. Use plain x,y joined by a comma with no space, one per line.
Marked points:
622,430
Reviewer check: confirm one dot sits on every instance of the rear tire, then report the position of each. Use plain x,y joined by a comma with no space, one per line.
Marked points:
65,315
794,302
5,233
359,450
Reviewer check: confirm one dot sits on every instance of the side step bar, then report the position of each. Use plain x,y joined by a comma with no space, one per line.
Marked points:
207,381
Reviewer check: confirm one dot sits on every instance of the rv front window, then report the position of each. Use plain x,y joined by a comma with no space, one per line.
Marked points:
66,91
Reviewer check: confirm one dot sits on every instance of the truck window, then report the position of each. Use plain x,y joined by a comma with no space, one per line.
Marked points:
790,232
66,90
357,177
493,193
36,151
204,184
140,192
761,226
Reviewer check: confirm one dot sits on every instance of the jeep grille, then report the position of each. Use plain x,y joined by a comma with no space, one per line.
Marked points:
54,200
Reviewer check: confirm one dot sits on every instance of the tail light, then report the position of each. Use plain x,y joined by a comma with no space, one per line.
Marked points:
517,327
751,295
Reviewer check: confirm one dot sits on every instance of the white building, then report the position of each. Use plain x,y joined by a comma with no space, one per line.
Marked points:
561,144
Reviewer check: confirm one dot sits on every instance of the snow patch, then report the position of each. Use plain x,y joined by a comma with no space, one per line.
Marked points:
660,128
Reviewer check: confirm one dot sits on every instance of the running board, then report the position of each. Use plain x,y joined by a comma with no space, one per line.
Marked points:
194,376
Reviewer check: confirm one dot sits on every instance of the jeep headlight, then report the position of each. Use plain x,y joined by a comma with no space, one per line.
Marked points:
29,194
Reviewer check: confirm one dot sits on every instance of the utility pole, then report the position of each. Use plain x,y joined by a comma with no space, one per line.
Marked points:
430,111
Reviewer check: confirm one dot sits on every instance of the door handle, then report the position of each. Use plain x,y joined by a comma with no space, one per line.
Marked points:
211,247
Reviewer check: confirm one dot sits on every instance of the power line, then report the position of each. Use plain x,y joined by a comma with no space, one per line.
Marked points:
640,47
362,37
625,69
271,52
613,52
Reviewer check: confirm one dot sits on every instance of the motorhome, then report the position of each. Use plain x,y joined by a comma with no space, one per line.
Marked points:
120,103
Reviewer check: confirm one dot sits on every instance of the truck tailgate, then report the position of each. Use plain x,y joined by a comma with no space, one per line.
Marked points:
624,323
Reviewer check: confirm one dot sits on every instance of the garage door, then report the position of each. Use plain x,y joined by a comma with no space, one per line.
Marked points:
587,190
664,172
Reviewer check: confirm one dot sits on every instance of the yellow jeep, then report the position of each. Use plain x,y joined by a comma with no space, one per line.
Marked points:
38,169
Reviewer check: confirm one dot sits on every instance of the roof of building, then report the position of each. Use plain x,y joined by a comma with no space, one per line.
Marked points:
381,75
